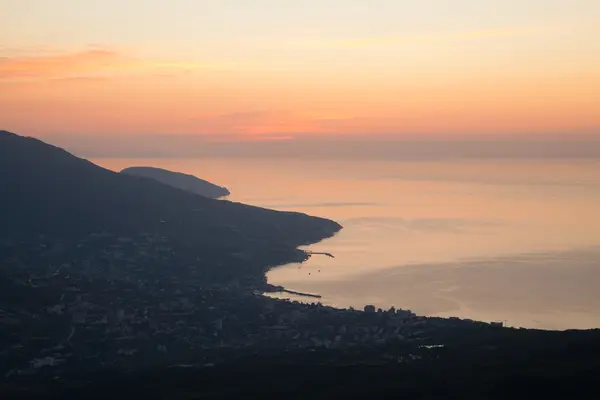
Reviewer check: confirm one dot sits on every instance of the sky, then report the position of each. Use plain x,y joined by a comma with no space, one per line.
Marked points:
272,70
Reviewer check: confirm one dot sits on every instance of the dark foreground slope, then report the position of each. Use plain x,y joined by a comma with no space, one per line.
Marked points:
489,364
46,190
179,180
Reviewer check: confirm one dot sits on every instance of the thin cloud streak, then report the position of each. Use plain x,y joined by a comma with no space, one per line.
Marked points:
97,61
60,64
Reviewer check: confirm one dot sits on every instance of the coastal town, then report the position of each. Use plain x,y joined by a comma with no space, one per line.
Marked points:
113,301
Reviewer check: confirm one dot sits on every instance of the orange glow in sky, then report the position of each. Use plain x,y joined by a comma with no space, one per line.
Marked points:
273,70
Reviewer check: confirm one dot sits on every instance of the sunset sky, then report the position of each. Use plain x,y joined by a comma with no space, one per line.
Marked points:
279,69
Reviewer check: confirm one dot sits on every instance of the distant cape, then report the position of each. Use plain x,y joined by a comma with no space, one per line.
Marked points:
179,180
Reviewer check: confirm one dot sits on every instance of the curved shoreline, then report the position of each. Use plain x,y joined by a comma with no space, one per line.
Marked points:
269,288
302,256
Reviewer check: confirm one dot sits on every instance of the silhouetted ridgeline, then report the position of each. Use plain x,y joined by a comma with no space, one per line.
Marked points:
179,180
46,190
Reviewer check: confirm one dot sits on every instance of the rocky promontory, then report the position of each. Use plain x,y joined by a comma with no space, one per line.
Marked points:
179,180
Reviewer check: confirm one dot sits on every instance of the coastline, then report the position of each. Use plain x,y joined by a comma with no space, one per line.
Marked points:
241,328
468,289
301,257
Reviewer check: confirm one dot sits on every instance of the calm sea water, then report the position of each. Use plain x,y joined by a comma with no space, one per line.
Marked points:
513,241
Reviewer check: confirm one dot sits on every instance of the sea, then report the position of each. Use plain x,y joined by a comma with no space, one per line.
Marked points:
513,241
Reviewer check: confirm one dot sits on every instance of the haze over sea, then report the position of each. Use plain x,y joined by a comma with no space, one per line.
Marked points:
495,240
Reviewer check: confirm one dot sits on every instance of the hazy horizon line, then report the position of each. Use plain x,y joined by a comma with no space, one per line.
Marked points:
327,147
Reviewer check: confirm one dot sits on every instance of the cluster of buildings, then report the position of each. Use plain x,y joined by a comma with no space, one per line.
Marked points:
108,301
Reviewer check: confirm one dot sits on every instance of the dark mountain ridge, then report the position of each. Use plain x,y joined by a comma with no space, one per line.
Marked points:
50,192
47,190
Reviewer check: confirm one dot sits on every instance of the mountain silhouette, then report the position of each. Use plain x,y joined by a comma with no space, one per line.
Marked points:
179,180
48,191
